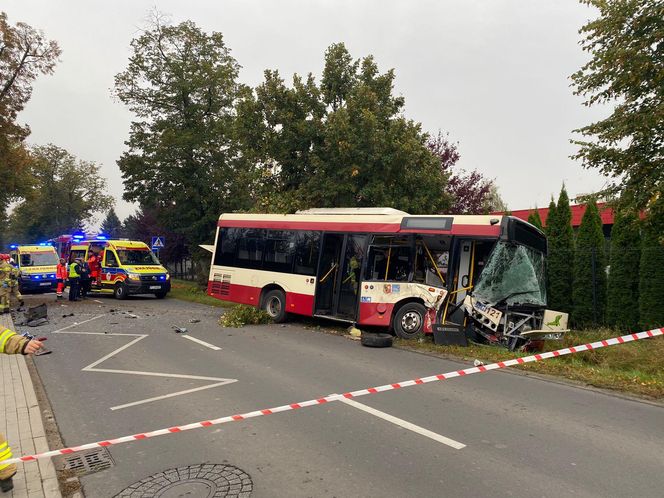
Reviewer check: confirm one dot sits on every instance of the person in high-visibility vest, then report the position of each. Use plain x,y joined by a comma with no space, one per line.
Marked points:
12,343
74,280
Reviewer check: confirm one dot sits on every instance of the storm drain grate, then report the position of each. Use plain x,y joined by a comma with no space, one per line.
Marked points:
88,462
201,481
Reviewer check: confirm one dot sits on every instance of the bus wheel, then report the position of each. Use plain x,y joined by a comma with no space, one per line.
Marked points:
274,303
120,291
409,321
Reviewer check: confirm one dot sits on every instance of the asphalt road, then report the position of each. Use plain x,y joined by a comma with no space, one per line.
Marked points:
523,436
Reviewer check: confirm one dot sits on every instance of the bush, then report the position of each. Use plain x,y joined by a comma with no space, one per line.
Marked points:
241,315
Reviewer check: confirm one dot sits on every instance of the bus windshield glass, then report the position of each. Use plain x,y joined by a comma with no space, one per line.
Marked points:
39,259
513,274
143,257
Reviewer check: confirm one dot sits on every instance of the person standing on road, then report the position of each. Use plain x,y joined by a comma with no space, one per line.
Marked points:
61,275
13,285
12,343
74,279
5,282
84,270
94,262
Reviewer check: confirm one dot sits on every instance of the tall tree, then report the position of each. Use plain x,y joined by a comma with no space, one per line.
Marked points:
65,192
622,307
181,83
561,255
112,226
147,222
589,292
651,274
343,142
24,55
626,42
535,219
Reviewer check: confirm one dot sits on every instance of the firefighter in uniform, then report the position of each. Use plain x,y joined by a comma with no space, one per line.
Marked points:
13,283
12,343
5,282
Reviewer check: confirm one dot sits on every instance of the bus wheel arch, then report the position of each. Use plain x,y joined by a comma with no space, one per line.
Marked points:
273,302
408,318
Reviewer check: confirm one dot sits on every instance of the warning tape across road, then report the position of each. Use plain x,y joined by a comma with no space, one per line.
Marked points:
353,394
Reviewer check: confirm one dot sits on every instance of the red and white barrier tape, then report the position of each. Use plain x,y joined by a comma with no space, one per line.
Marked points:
354,394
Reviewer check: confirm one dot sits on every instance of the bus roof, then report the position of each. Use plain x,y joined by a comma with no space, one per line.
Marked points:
385,220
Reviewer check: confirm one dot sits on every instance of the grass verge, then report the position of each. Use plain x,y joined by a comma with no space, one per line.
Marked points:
191,291
635,368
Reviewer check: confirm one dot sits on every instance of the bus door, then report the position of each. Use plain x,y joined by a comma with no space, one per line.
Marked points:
338,285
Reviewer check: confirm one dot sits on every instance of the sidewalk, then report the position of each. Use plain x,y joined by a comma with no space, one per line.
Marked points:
20,421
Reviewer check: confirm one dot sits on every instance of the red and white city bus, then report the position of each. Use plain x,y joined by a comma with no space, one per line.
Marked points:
384,267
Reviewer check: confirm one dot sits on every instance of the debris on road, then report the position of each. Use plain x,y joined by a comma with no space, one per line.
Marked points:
478,363
180,330
376,340
194,320
38,322
68,314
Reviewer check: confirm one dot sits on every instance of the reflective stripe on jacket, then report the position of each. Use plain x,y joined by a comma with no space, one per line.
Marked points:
61,272
11,342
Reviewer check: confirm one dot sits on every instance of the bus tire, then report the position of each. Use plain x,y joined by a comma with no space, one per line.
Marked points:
120,291
409,321
274,304
373,340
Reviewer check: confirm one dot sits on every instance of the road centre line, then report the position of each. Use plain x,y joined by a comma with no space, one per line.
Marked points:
405,424
202,343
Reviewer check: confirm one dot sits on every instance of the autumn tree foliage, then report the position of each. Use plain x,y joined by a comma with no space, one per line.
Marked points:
626,45
472,192
25,54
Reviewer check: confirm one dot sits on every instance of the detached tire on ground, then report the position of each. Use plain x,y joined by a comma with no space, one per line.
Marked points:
274,304
376,340
409,321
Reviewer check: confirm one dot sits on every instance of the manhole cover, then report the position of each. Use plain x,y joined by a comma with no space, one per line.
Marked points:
88,462
195,481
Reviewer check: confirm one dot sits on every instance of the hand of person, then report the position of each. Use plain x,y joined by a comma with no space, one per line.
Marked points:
33,346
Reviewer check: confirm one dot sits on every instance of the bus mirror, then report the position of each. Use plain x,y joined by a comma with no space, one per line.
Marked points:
465,281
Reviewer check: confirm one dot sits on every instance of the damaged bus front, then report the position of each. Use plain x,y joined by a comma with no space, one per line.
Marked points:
507,304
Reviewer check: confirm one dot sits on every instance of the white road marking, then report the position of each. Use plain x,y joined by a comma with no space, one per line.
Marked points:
97,301
202,343
92,367
405,424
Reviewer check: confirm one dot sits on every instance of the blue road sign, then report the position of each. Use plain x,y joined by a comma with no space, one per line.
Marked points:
158,242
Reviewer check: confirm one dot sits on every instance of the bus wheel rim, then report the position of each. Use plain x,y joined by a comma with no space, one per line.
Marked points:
274,306
411,321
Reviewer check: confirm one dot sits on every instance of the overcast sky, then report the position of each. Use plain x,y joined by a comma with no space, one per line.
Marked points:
492,73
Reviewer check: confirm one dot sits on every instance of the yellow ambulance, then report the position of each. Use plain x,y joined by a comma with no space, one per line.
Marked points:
127,267
37,265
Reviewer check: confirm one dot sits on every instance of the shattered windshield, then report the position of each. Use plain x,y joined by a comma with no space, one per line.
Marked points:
514,274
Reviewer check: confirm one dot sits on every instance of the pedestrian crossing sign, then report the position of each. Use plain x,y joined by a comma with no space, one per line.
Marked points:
158,242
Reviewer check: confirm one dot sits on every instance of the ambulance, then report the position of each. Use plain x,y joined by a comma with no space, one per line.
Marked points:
37,267
128,267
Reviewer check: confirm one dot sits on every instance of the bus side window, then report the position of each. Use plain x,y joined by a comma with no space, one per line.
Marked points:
279,246
389,258
307,247
226,246
431,260
250,249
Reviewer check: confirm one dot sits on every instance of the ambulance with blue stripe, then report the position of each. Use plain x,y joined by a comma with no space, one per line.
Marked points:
36,264
128,267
